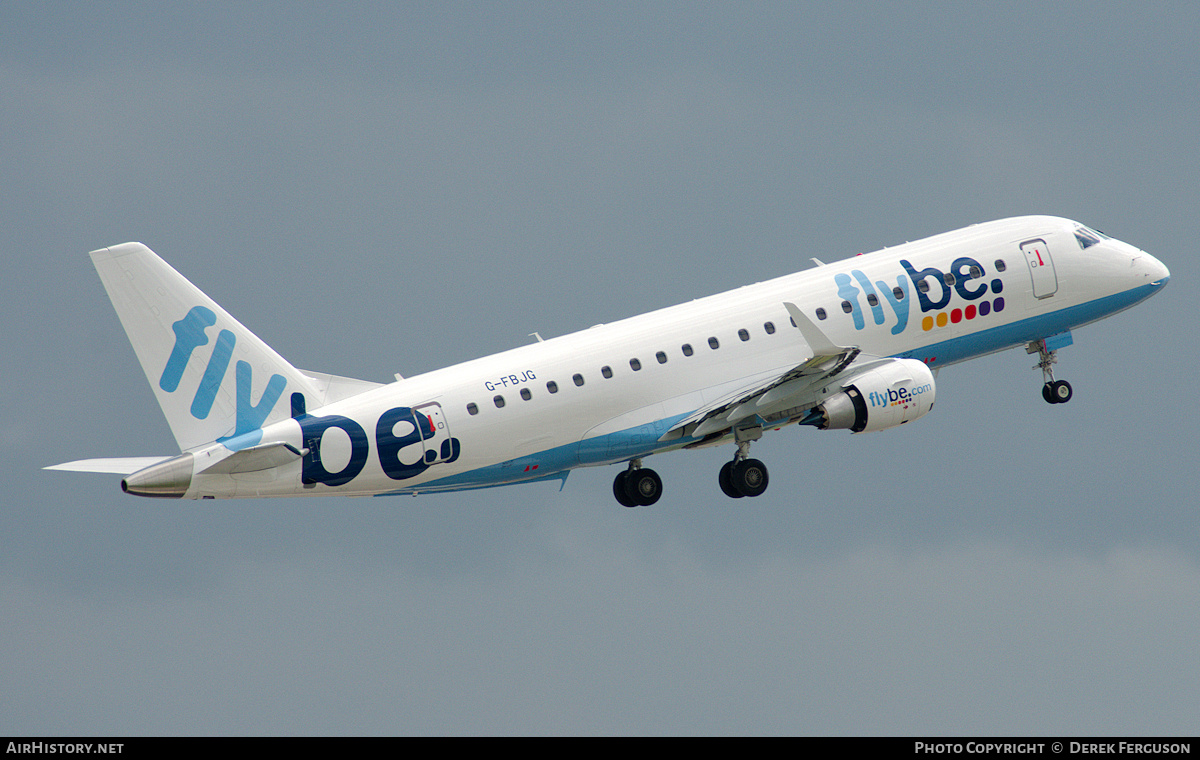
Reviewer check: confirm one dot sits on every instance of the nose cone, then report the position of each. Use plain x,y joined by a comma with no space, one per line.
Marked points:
1137,268
1153,269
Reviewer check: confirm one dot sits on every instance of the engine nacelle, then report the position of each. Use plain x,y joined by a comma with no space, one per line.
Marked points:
880,398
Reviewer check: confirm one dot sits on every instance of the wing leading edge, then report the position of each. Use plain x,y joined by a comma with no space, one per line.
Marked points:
747,404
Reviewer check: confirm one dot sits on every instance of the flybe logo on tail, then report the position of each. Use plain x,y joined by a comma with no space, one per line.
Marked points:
963,278
191,332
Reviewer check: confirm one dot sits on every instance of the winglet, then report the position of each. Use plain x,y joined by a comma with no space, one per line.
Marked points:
827,359
816,340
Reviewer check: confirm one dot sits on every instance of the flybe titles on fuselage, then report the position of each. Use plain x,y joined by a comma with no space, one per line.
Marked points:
408,441
935,291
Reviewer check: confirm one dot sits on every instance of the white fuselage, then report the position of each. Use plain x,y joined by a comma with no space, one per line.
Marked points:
611,393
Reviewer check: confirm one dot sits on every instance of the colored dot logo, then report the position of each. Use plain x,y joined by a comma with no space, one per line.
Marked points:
954,316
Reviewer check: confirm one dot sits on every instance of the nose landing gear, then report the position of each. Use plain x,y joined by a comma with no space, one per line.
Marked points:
1053,391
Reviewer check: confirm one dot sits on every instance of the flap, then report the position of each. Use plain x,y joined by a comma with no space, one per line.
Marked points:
826,359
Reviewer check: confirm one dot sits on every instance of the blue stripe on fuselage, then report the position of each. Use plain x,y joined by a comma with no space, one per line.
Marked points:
634,442
602,449
1030,329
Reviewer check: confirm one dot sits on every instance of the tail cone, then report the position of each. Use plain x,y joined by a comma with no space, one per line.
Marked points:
168,480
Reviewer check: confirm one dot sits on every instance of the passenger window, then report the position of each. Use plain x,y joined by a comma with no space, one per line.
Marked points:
923,285
820,315
635,364
744,335
769,327
898,293
472,409
714,344
846,307
662,358
949,278
525,394
606,371
976,272
687,349
552,386
499,402
578,379
872,299
1000,267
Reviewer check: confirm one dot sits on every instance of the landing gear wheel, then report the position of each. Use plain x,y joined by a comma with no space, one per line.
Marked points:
750,477
1054,391
1057,392
725,480
1060,390
643,487
619,490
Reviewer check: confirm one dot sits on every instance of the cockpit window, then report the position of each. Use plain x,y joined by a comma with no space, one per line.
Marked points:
1087,237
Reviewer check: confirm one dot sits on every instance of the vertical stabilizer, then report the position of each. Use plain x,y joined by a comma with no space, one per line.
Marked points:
213,378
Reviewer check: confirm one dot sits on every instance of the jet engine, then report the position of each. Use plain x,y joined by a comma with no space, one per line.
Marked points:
882,397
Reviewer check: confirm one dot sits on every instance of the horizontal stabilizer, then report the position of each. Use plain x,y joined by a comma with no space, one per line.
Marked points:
114,465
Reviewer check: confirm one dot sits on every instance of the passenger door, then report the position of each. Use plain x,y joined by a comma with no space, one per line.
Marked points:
1041,268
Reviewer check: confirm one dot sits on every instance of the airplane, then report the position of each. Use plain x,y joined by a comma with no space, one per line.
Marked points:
851,345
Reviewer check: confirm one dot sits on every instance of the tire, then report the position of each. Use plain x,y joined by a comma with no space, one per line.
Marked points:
643,487
750,477
1060,391
619,490
725,480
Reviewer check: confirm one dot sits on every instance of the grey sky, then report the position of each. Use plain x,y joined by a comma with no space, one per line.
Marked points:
379,188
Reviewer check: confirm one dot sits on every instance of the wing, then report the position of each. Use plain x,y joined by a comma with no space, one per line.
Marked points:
779,392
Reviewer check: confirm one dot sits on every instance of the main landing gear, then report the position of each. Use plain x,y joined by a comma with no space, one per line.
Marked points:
744,476
747,477
638,486
1054,391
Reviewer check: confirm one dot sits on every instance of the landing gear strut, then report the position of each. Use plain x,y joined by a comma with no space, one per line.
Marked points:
637,486
744,476
1054,391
